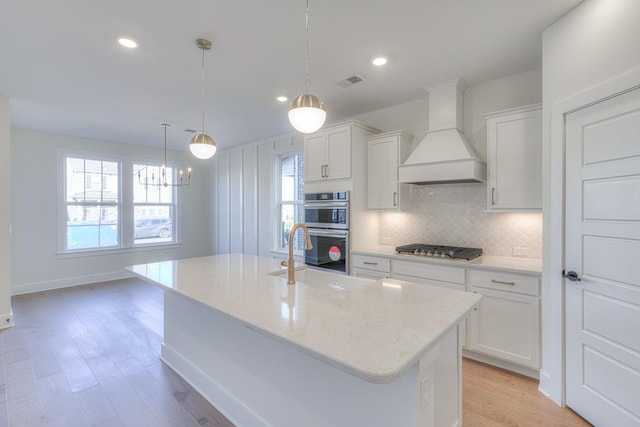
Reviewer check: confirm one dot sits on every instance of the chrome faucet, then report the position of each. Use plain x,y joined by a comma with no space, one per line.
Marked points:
291,272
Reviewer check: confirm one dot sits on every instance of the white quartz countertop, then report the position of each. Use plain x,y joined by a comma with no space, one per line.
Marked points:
486,262
372,329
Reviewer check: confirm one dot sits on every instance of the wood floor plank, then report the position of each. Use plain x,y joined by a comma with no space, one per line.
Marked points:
96,408
493,397
132,410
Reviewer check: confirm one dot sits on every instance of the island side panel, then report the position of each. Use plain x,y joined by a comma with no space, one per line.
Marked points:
256,380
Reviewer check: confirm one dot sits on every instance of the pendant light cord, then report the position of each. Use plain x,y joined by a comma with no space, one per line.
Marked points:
203,84
307,49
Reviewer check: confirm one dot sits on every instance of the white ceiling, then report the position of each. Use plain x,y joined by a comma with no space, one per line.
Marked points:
65,73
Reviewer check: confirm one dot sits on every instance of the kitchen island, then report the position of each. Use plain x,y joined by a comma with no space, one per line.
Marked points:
331,350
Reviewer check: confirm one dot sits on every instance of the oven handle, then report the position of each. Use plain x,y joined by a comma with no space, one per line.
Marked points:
320,205
329,233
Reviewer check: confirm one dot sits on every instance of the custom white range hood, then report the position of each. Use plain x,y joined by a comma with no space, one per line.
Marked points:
444,155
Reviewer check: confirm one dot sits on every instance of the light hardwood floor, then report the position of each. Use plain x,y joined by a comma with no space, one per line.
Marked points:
89,356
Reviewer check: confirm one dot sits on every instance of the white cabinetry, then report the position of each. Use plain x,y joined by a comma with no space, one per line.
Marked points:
370,267
514,159
506,324
384,153
428,273
327,154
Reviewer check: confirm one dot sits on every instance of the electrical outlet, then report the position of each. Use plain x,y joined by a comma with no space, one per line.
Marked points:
520,251
425,391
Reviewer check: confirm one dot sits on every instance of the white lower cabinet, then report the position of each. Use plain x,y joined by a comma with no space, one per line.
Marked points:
505,328
506,324
370,267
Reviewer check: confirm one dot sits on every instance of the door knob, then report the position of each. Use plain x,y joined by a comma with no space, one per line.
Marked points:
571,275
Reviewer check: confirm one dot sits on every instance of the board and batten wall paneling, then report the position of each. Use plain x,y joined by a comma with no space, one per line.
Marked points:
236,213
223,203
250,202
5,214
266,188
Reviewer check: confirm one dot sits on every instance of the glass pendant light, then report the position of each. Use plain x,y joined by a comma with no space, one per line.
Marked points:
306,112
202,145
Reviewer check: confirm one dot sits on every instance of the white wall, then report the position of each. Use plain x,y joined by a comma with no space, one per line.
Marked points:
36,264
5,213
596,41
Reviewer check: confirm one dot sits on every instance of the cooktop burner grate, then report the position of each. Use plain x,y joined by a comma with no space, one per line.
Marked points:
439,251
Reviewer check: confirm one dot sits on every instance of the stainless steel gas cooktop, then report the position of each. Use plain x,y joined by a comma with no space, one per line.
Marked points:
439,251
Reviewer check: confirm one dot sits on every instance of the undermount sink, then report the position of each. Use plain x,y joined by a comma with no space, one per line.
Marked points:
338,282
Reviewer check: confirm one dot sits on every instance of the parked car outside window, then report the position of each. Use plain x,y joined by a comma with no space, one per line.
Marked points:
153,227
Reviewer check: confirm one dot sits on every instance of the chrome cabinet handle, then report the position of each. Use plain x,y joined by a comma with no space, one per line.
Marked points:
326,171
322,172
395,199
500,282
493,196
369,263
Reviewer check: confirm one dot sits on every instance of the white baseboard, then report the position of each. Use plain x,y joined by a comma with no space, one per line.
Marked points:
543,387
224,402
522,370
29,288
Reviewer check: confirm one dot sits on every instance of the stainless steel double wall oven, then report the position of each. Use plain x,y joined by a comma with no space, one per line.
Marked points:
326,215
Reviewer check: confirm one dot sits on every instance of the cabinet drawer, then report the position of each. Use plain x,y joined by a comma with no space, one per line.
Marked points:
371,263
422,280
509,282
442,273
369,274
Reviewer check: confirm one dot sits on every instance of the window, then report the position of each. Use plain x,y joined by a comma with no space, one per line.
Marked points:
290,199
114,203
153,207
92,203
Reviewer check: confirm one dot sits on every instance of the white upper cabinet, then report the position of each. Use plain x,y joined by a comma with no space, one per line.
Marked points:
514,157
327,154
384,153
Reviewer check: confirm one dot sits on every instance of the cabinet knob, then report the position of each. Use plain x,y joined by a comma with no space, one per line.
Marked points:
395,199
493,196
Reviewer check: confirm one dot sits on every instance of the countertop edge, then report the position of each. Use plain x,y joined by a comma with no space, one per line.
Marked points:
494,262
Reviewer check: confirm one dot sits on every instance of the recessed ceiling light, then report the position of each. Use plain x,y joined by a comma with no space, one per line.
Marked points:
379,61
282,99
127,42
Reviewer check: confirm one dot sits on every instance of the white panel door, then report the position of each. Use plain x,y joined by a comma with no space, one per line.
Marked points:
603,249
338,165
382,173
315,149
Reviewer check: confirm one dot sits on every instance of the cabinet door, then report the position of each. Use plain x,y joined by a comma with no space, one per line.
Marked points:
382,175
338,154
314,156
515,161
506,326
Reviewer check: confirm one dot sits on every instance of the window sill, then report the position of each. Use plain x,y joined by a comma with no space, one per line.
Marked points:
116,251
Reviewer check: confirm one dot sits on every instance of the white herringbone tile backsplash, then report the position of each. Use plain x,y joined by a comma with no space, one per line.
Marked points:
453,215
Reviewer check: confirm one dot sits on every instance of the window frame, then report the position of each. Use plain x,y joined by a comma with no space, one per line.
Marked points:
279,155
126,223
173,206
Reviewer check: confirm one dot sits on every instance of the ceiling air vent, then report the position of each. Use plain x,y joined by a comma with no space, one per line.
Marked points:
350,81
